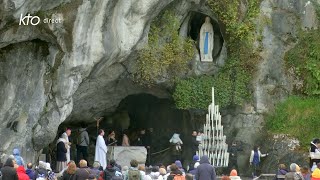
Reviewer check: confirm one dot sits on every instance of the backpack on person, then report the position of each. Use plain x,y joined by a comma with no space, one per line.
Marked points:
179,177
78,137
134,174
111,175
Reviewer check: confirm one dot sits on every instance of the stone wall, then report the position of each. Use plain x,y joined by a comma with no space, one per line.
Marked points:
123,155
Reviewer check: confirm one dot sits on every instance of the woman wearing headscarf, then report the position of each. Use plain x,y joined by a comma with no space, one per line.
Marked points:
61,154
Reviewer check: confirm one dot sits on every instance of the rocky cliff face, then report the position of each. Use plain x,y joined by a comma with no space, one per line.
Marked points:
51,70
78,68
280,22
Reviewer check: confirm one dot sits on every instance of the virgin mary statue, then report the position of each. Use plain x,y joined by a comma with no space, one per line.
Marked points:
206,41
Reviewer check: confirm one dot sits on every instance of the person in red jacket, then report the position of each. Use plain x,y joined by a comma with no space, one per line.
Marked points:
22,173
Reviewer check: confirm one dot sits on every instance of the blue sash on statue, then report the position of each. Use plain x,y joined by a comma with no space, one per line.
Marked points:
206,43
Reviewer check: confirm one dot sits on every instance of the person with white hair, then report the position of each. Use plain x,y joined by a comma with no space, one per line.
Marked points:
41,171
294,173
51,174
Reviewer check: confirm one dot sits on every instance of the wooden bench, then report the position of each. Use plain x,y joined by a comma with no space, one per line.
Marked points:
268,175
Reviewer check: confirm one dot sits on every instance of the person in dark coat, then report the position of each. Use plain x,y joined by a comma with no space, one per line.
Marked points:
61,154
195,143
30,171
282,171
195,159
8,171
205,170
233,158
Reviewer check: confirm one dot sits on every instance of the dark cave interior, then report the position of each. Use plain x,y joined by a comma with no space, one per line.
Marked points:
136,112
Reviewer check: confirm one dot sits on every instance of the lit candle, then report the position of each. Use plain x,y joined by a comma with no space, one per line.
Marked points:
216,111
213,95
213,137
227,160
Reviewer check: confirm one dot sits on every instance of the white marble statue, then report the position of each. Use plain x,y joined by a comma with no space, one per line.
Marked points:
206,41
175,139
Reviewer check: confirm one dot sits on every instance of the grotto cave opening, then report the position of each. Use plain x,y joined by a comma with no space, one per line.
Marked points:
136,112
195,21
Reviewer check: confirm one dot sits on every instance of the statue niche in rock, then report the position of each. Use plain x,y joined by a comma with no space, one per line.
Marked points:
206,41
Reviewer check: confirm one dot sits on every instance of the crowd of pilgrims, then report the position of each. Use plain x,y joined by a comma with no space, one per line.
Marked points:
15,168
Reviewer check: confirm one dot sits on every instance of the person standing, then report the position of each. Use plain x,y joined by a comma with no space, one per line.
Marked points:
314,152
195,159
255,159
144,139
233,157
111,139
19,160
282,171
101,150
133,173
82,143
84,173
294,173
234,175
205,170
8,172
61,153
125,138
70,173
195,143
30,171
22,173
66,135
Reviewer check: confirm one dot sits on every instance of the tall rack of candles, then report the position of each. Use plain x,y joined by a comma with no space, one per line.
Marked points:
213,143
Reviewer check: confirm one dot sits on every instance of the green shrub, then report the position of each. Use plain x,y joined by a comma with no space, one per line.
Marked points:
167,54
239,25
304,58
298,117
230,88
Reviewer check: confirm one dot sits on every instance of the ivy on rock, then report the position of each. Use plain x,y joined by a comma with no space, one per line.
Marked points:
167,55
195,92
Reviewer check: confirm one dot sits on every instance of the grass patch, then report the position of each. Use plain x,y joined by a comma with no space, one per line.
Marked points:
304,58
298,117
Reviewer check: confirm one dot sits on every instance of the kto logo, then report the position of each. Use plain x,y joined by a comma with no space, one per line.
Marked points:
33,20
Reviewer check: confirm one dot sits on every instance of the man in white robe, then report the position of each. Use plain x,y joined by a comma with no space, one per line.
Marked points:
101,150
66,135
